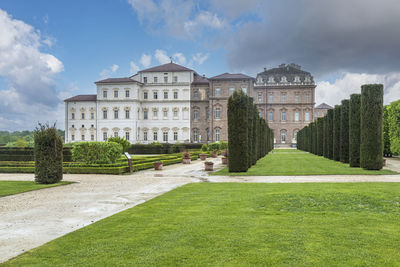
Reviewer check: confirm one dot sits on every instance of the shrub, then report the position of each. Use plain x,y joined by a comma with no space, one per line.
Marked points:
213,146
48,153
394,127
325,141
386,132
96,152
204,148
336,132
122,141
330,133
354,130
223,145
371,112
344,131
320,136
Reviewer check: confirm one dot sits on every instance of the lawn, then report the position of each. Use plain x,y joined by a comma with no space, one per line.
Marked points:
296,162
15,187
234,224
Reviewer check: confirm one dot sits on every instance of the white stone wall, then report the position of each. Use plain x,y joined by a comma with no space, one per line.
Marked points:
74,130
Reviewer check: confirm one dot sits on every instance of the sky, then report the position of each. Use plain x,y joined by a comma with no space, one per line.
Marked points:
52,50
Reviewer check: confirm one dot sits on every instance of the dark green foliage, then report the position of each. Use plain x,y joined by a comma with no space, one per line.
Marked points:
354,130
371,112
325,131
320,136
48,153
314,137
344,131
255,131
336,132
394,127
386,137
250,131
238,132
329,138
122,141
96,152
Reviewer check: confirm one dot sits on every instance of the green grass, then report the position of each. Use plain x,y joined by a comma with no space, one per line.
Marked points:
234,224
296,162
15,187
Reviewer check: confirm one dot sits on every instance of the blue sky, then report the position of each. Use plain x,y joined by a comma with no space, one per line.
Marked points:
50,50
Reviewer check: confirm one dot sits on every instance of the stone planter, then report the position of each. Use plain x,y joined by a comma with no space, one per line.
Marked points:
158,166
225,160
208,166
186,161
214,155
203,156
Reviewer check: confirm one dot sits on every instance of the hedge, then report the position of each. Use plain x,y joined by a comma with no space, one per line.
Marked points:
371,113
329,138
161,148
325,138
336,132
26,154
96,152
320,136
386,132
354,130
394,127
344,131
250,132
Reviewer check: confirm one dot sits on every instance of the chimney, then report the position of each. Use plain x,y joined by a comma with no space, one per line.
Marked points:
204,75
265,69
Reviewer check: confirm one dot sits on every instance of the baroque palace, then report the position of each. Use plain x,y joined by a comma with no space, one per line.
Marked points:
171,103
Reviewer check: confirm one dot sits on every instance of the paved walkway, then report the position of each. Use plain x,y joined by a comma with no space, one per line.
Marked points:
31,219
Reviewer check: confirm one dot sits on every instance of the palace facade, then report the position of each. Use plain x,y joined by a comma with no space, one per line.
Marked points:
171,103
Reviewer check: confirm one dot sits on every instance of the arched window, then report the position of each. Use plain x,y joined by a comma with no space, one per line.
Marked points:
283,136
195,135
295,134
195,114
217,135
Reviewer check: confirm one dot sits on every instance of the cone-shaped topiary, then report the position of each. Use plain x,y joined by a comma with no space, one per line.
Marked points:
344,131
354,130
371,112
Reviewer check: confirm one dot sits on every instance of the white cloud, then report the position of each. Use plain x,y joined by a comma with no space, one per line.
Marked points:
29,72
134,68
204,19
162,56
106,73
179,58
199,58
350,83
145,60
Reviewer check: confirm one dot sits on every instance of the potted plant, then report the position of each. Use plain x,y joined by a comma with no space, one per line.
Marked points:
224,153
158,165
214,154
186,157
208,165
225,157
203,156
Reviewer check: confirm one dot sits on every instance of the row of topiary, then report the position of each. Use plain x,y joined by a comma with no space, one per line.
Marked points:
249,137
351,132
391,129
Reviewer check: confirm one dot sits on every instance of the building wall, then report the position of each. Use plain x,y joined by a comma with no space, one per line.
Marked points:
199,104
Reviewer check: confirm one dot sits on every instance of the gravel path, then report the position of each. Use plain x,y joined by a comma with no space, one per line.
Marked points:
31,219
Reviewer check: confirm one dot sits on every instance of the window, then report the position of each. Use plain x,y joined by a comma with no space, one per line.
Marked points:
195,114
155,136
217,91
165,79
259,97
165,136
218,113
104,94
115,114
283,115
155,113
115,134
126,93
175,79
92,116
72,116
165,113
83,116
73,126
307,116
283,97
175,95
145,79
208,135
83,126
127,136
283,136
196,94
115,94
231,90
316,114
83,137
244,90
104,114
127,114
296,116
195,135
145,136
175,136
175,114
297,98
165,95
145,95
307,98
271,98
155,95
73,137
92,126
295,134
155,79
92,137
104,136
217,135
145,115
260,114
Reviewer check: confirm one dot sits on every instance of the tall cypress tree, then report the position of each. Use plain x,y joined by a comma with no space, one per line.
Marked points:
250,131
336,132
330,133
325,130
354,130
320,136
344,131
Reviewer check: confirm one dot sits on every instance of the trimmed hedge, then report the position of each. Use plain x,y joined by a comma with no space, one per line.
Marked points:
26,154
354,130
336,132
386,132
325,138
320,136
344,131
394,127
371,112
330,133
96,152
161,148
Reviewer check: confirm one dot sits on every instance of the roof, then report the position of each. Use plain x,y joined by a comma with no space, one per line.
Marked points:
290,71
323,106
169,67
231,76
198,79
78,98
117,80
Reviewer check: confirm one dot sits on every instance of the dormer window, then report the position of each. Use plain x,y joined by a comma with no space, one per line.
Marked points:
271,79
296,79
307,79
283,79
259,79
